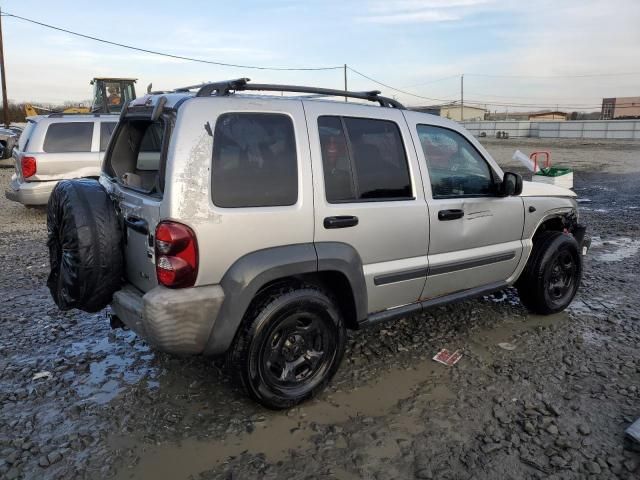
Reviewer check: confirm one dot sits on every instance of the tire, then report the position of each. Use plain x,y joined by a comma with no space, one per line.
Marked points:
85,246
271,355
552,275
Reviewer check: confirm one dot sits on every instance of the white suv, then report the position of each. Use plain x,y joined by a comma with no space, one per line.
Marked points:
56,147
261,227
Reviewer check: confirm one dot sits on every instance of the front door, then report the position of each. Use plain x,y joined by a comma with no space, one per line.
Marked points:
368,194
475,235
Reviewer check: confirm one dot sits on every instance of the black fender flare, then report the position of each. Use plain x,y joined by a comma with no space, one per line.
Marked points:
247,275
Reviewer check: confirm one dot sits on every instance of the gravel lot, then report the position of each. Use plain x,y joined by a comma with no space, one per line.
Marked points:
555,406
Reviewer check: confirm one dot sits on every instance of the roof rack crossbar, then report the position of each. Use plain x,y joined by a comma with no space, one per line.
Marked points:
223,88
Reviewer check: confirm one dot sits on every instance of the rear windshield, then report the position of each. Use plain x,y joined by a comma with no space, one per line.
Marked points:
135,158
68,137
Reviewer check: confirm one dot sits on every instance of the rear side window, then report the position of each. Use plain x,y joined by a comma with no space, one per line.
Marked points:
106,130
254,161
68,137
363,159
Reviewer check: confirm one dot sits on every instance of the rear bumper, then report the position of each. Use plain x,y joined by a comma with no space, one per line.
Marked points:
30,193
176,321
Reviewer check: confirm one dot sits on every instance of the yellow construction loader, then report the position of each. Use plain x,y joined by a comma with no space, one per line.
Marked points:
109,96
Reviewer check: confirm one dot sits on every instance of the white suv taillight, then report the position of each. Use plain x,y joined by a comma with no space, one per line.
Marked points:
28,165
176,255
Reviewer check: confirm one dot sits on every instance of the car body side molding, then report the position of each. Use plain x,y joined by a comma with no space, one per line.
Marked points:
418,307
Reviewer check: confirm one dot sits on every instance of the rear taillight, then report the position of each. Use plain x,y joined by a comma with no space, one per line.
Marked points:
176,255
28,166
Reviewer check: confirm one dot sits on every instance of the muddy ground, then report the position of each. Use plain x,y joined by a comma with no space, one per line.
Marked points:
555,406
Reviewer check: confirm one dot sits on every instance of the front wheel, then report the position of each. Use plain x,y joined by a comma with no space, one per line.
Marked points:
552,275
289,347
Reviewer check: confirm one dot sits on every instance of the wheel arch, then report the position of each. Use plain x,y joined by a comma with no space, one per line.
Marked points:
333,266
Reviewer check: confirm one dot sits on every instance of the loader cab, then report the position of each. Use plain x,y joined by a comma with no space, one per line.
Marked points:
110,95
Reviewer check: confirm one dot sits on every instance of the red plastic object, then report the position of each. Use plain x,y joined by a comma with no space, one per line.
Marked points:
534,158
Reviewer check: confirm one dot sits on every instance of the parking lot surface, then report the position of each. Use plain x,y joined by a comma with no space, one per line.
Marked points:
532,397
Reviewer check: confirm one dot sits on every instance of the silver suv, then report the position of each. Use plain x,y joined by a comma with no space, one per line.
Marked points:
55,147
262,227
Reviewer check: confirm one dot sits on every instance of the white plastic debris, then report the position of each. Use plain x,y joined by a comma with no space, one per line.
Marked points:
633,431
525,160
507,346
43,374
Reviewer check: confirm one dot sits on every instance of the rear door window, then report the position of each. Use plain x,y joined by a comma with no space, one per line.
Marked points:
106,130
363,159
254,161
68,137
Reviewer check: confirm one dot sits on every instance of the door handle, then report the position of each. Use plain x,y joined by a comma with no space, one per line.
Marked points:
341,221
450,214
136,224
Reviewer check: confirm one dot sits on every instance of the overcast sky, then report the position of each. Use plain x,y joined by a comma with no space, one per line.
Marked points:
421,46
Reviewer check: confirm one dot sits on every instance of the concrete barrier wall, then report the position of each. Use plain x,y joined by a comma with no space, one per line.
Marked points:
603,129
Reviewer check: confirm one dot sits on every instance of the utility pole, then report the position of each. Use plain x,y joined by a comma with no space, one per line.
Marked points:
345,82
462,97
5,102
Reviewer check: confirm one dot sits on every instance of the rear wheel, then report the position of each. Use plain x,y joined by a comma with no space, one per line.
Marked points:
552,275
289,347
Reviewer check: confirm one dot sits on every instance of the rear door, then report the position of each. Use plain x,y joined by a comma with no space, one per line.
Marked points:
476,235
134,164
368,194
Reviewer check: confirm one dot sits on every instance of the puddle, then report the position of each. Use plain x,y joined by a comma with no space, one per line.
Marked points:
486,342
109,368
614,250
284,431
597,210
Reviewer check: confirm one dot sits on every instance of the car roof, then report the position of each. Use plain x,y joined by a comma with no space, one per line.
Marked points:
175,99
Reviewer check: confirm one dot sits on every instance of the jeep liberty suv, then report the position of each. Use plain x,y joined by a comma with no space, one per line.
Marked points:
261,227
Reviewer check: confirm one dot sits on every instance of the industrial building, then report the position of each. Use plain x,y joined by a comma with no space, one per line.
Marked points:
547,116
454,111
620,107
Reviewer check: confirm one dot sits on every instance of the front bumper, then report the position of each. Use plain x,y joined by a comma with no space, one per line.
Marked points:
30,193
177,321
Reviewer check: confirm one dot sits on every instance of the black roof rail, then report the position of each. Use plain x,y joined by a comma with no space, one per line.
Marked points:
71,114
241,84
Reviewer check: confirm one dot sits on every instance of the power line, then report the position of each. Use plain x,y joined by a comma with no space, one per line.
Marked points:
396,89
474,102
154,52
432,81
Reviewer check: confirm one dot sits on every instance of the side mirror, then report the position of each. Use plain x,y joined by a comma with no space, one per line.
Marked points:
511,184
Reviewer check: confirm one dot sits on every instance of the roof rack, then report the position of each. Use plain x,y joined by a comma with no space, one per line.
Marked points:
71,114
241,84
